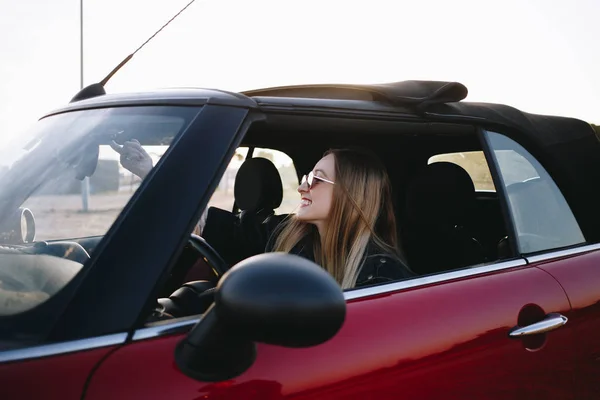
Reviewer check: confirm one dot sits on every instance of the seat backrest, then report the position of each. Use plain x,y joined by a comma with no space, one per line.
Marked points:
440,194
258,187
258,192
436,234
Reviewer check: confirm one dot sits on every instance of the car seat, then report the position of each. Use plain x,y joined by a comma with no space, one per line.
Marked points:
438,211
258,192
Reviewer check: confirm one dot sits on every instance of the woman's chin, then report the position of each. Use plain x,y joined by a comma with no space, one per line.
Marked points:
301,215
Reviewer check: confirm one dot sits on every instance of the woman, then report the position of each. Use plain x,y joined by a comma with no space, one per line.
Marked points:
345,221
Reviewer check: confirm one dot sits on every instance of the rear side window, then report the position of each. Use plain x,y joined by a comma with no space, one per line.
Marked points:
474,163
541,215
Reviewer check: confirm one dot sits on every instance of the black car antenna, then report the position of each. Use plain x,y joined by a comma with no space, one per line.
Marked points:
97,89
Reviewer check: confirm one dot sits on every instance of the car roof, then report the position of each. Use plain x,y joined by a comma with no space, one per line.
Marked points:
171,96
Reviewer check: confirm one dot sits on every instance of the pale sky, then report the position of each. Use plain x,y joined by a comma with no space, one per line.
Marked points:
538,55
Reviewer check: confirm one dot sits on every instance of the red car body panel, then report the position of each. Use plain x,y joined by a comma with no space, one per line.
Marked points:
580,277
57,377
445,340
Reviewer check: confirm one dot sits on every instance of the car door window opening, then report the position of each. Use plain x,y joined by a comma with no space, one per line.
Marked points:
478,243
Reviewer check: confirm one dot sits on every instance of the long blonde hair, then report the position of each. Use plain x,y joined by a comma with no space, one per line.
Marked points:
361,213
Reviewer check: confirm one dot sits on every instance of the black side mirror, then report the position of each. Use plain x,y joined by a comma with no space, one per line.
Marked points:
273,298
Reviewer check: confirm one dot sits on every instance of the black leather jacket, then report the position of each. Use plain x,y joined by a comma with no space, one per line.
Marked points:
378,266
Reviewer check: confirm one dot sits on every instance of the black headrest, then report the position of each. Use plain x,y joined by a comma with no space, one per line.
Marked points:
258,186
440,194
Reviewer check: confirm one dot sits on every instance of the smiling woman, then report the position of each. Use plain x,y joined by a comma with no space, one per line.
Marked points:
346,221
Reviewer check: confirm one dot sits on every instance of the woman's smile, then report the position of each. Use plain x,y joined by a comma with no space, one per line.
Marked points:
304,202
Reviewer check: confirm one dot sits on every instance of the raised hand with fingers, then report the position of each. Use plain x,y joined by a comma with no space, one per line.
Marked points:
133,157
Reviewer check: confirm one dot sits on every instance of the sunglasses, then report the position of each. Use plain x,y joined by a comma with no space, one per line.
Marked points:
311,180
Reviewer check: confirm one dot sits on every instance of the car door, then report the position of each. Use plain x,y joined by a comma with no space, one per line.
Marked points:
549,236
446,335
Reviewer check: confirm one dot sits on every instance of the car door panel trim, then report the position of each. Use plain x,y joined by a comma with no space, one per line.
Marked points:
563,253
62,348
165,329
431,279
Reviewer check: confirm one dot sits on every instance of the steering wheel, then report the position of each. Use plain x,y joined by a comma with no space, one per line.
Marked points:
193,297
214,260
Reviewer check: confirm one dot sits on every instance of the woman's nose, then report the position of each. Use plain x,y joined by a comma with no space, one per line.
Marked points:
303,188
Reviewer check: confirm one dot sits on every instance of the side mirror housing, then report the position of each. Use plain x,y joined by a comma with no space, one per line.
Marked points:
272,298
18,227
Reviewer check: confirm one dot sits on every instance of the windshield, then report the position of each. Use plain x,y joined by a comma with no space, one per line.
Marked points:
63,185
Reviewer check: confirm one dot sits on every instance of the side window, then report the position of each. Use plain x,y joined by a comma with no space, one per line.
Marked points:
223,197
541,216
474,163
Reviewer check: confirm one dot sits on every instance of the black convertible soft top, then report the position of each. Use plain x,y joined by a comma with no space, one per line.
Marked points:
567,147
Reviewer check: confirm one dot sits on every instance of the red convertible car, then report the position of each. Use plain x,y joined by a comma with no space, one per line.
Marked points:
498,216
